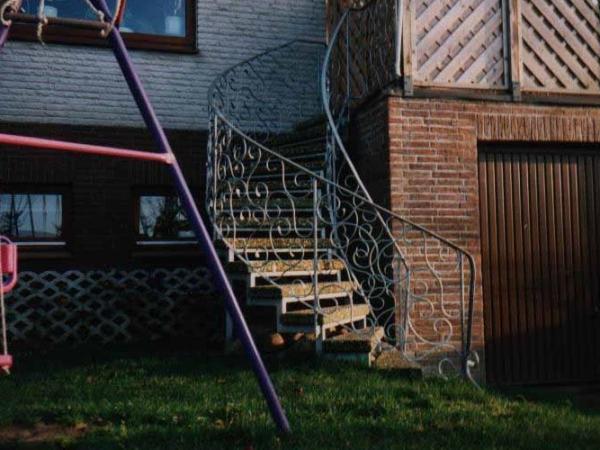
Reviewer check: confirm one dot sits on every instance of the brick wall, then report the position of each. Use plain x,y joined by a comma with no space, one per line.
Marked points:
432,160
75,85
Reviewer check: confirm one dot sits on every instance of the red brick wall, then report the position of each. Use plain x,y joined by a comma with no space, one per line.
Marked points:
432,158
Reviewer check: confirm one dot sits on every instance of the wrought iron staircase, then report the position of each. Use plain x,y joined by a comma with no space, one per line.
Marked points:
293,217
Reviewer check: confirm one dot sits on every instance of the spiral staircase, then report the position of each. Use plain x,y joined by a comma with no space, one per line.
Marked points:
294,220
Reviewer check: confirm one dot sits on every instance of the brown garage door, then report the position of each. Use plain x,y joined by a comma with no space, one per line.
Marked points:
540,230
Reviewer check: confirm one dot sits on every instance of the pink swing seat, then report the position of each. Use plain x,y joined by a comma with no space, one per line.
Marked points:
8,264
8,268
6,362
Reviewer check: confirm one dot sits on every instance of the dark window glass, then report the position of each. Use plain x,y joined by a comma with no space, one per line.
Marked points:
157,17
31,217
161,218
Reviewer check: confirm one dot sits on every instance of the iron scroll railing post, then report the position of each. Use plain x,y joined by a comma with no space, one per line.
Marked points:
316,305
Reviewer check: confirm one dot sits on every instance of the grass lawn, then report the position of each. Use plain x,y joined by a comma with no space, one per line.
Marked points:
133,398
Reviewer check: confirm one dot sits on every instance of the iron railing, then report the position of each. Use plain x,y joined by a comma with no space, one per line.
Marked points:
416,285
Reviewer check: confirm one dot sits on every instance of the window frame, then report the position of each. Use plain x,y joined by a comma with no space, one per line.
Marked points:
135,41
138,240
63,241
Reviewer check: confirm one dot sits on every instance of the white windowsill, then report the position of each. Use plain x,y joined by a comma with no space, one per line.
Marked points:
159,243
40,244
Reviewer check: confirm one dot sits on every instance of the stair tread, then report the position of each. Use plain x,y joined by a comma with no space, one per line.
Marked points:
287,265
357,341
328,316
272,166
318,120
243,222
301,133
260,203
302,290
266,244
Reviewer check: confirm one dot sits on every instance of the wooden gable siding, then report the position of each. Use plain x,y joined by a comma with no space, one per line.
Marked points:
459,43
545,49
530,46
560,46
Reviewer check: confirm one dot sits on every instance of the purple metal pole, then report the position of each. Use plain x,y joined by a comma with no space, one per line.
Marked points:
233,308
3,35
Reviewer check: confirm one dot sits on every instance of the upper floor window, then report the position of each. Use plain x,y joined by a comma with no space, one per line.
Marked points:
168,25
32,217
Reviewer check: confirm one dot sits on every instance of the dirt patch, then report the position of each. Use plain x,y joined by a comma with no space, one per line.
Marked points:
41,432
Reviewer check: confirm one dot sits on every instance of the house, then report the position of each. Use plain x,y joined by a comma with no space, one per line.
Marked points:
424,185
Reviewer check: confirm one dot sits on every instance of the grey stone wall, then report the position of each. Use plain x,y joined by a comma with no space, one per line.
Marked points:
83,86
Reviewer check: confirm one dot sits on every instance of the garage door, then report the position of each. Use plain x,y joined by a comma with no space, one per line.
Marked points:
540,230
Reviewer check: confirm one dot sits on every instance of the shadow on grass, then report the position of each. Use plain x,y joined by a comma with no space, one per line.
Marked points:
583,398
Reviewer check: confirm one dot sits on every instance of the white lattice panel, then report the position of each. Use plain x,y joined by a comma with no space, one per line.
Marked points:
107,306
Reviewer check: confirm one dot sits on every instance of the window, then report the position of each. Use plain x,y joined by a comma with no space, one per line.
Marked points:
161,220
168,25
31,218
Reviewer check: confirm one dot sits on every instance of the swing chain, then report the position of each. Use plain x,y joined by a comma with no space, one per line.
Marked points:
102,17
42,21
12,5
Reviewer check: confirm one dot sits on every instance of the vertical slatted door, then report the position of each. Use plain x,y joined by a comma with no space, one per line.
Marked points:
540,231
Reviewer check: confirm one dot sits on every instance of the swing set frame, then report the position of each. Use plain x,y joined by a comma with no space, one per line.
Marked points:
108,26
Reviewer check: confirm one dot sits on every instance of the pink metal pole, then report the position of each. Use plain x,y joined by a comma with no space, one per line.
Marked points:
47,144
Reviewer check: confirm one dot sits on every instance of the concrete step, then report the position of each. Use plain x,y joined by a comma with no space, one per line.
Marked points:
278,167
301,291
356,341
393,360
302,184
287,267
307,130
278,245
335,315
299,150
293,177
272,203
267,225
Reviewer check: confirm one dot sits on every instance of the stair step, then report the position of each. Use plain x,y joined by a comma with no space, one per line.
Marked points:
313,147
303,184
276,166
269,224
289,245
330,316
316,121
270,203
357,341
394,360
295,178
289,267
301,291
301,133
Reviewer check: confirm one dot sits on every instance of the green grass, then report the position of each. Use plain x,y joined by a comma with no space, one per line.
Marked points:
151,398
